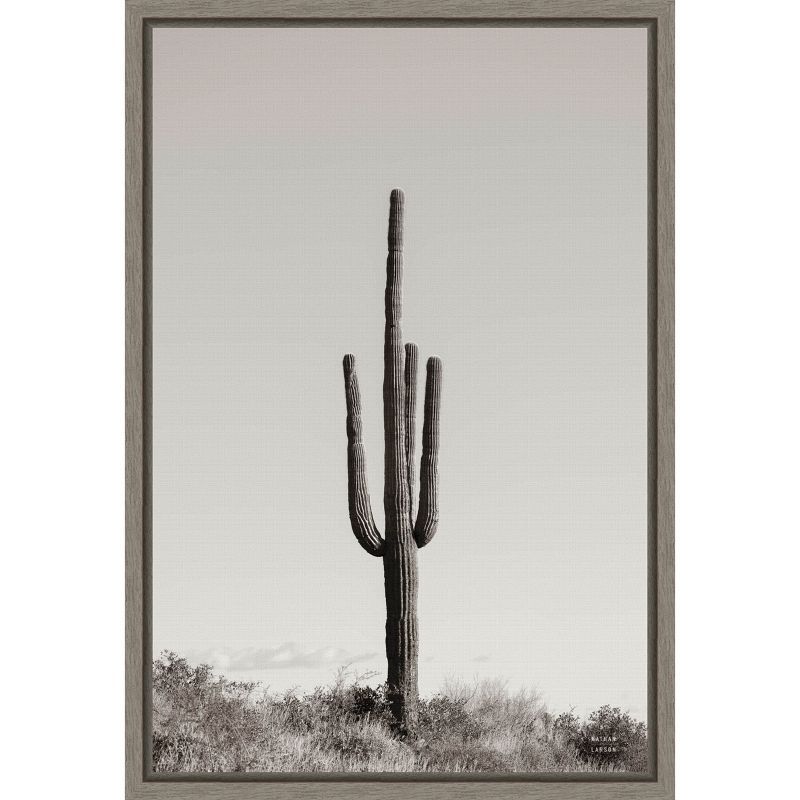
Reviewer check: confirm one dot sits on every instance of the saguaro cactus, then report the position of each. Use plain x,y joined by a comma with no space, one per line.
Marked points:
404,532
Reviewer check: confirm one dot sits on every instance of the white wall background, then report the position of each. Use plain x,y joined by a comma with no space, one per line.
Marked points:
62,424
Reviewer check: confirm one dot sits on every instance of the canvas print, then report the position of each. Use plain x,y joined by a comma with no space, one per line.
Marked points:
399,399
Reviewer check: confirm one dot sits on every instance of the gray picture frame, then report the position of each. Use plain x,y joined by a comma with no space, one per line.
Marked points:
658,17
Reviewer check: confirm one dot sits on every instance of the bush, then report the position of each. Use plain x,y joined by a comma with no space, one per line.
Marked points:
444,717
201,722
609,739
206,723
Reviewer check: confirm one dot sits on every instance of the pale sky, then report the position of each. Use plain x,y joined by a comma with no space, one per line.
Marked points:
522,153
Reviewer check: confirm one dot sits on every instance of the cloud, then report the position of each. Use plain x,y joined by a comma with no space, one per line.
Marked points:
285,656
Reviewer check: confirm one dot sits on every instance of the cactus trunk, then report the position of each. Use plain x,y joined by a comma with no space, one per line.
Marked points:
402,536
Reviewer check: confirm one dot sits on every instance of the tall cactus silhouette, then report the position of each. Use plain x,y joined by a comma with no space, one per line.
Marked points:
404,533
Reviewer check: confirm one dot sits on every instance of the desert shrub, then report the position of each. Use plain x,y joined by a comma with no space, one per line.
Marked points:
369,701
204,722
609,739
347,700
457,734
496,709
201,721
445,717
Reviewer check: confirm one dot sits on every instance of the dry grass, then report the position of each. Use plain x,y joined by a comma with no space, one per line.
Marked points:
206,723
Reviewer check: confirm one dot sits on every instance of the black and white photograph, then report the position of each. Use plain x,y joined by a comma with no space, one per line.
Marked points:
399,399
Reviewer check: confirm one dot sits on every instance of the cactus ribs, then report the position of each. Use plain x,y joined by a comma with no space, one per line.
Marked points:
404,532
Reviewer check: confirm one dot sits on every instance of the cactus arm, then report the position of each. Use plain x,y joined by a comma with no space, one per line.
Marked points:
428,514
412,356
361,519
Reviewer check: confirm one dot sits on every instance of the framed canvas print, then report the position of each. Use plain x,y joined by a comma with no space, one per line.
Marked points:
399,386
